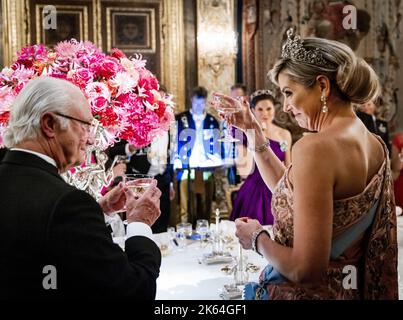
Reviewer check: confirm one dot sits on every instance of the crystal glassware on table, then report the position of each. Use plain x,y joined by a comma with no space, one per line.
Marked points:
202,228
183,231
240,273
163,243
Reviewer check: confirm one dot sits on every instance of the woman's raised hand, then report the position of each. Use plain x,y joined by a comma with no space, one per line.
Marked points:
240,116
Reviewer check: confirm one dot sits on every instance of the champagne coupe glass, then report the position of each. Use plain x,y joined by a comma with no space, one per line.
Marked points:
137,183
227,112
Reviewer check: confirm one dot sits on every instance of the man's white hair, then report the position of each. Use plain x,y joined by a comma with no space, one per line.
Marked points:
40,95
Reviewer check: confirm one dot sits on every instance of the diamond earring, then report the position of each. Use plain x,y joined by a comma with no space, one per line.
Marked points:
325,109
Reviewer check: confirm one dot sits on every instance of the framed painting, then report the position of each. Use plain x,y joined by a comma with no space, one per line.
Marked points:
70,19
134,28
131,29
69,25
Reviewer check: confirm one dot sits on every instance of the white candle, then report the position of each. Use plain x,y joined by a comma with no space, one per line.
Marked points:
217,221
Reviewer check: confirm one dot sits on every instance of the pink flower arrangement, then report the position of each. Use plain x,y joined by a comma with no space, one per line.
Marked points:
122,93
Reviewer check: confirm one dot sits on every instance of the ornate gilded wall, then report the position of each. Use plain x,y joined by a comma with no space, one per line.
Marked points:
215,44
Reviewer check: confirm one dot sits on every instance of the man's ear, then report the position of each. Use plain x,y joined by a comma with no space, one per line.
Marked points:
324,85
48,125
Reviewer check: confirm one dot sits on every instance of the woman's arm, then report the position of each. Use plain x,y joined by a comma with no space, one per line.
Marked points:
270,167
288,139
308,259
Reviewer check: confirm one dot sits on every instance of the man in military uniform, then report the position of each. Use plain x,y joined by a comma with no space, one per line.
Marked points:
198,153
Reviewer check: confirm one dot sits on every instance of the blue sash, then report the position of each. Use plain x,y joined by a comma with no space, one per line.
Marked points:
257,291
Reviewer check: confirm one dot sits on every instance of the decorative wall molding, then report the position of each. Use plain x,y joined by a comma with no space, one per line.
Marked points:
173,51
216,45
15,27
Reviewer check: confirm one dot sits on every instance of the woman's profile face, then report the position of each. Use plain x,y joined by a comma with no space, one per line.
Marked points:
264,111
302,102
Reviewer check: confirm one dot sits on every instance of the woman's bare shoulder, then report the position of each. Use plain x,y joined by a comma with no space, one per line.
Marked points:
312,160
314,145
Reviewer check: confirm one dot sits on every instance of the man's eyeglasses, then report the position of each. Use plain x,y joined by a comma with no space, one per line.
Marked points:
87,125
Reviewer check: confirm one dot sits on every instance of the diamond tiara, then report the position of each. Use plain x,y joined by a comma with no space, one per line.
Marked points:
261,92
293,49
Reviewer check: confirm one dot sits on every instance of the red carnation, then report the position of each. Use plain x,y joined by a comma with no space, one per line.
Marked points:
4,117
161,109
118,54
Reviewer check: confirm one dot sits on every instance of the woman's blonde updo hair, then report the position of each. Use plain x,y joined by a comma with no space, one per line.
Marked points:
352,78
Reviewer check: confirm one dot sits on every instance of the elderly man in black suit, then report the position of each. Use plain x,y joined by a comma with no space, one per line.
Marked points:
53,239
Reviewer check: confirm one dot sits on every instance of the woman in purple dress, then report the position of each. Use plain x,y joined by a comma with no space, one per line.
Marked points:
254,198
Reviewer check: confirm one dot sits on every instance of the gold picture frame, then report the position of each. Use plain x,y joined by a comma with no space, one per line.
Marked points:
132,29
72,22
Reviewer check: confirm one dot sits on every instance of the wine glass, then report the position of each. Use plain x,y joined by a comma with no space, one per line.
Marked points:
227,112
137,183
202,228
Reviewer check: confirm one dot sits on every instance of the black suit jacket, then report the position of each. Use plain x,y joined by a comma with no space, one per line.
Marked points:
44,221
3,152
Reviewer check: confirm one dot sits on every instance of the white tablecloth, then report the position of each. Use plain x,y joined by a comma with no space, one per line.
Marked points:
183,277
